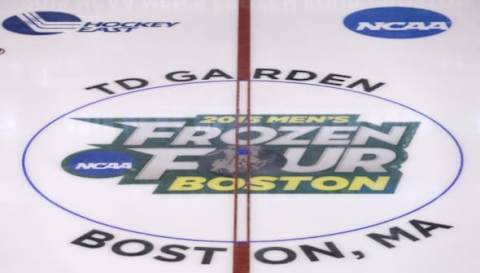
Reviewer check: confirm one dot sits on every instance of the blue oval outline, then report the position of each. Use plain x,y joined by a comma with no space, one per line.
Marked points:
348,18
450,134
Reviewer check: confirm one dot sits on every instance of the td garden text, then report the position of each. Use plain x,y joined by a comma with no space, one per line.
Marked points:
324,153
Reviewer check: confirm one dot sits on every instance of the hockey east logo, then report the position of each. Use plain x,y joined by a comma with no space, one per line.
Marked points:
323,154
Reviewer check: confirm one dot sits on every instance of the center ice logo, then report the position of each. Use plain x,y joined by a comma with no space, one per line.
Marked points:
397,22
53,22
288,154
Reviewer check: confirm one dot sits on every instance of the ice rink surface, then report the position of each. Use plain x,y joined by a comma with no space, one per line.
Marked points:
239,136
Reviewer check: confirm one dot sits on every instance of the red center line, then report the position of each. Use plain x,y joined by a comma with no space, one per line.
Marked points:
241,249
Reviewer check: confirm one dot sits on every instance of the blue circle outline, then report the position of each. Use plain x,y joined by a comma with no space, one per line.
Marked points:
31,183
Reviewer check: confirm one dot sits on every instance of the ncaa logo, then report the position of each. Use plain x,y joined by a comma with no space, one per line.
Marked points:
99,163
397,22
42,23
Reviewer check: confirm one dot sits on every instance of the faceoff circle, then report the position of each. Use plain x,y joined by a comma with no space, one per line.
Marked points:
32,183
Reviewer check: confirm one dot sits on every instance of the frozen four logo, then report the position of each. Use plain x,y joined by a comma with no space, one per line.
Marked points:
288,154
53,22
397,22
